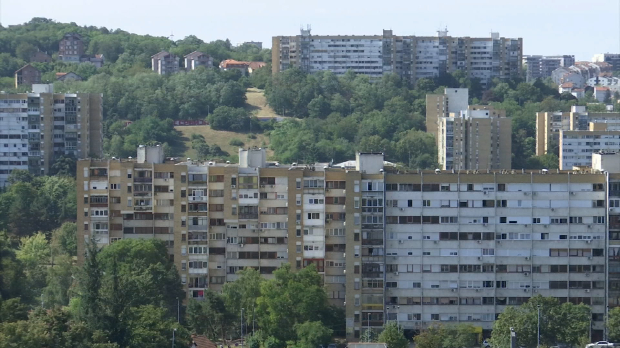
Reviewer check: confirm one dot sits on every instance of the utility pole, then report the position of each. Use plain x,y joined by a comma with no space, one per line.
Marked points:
241,328
178,311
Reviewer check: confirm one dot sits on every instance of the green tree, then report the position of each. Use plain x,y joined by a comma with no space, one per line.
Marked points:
613,324
151,327
228,118
559,323
393,337
210,317
64,239
312,334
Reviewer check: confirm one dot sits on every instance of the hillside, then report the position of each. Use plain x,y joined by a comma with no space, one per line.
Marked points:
257,103
221,138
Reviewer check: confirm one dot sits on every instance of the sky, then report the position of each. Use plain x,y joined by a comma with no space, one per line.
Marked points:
548,27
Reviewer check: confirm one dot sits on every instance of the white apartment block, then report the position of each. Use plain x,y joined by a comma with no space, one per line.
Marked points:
411,57
577,147
36,128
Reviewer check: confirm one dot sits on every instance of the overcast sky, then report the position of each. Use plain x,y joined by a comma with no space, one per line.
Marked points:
546,26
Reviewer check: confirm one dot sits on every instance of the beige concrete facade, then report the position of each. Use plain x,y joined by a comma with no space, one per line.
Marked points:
418,248
468,136
549,125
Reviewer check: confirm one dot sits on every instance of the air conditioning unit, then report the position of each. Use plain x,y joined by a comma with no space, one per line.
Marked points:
589,257
241,245
479,257
484,224
262,186
546,226
499,242
233,186
400,242
254,231
552,209
477,290
589,226
485,193
526,274
526,290
526,193
402,209
587,290
395,273
573,193
435,242
527,258
589,241
479,242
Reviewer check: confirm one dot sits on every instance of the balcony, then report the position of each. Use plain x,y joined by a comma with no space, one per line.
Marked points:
198,227
142,194
136,179
248,216
143,208
198,198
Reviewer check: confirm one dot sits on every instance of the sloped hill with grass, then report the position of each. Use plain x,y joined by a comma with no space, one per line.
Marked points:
221,138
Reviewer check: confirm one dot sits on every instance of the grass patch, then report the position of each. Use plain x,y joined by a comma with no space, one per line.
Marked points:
221,138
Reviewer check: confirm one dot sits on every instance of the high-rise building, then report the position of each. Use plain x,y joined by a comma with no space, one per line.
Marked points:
577,146
543,66
411,57
468,136
471,243
549,126
37,128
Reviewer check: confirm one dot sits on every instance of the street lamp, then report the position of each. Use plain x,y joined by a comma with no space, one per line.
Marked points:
178,311
538,334
173,332
397,320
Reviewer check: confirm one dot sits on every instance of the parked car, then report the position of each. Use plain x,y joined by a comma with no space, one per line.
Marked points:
600,344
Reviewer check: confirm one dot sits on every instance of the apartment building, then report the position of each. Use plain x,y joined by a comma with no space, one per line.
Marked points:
197,59
71,48
471,243
37,128
411,57
27,75
468,136
549,125
610,58
541,67
165,63
577,147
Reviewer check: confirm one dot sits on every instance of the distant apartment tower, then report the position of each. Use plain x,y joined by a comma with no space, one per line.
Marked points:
37,128
165,63
197,59
71,48
542,66
468,137
411,57
550,124
27,75
577,146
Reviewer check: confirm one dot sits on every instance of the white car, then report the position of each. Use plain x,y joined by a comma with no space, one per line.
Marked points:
600,344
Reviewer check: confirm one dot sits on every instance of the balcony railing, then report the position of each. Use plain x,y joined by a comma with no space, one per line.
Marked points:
136,179
248,216
143,208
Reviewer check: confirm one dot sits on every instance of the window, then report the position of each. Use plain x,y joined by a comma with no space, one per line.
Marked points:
314,216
